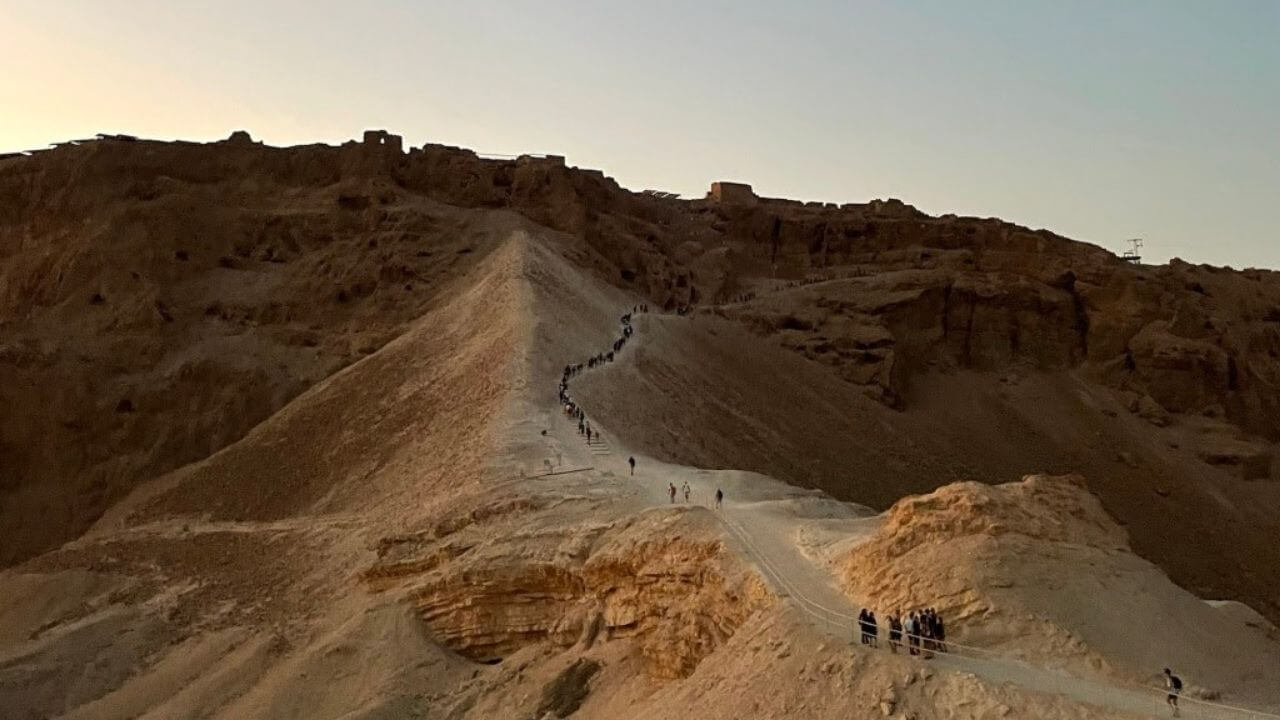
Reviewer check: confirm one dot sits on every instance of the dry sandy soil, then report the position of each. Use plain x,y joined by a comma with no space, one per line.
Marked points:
328,493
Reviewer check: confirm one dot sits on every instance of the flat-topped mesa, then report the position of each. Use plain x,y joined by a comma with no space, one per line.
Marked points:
732,193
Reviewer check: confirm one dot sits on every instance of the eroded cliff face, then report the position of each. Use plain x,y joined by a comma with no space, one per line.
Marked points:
662,579
884,298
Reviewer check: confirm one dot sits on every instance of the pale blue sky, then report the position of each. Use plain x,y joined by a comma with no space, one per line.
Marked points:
1098,120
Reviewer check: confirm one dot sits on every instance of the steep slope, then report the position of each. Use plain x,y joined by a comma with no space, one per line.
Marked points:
157,303
379,524
270,534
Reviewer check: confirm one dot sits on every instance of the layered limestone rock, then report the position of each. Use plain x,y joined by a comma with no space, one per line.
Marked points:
662,579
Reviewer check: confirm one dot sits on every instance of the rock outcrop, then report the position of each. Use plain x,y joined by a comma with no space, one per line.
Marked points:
662,579
1038,568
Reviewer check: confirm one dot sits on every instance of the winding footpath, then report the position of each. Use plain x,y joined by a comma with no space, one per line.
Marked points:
764,539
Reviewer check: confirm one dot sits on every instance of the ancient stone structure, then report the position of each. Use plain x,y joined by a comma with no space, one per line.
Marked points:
384,138
553,160
732,193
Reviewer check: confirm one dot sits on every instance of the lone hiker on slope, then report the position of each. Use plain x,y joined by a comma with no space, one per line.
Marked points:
632,461
719,497
1174,683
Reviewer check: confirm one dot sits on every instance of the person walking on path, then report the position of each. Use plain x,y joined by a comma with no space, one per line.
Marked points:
632,462
671,492
1174,683
686,490
719,497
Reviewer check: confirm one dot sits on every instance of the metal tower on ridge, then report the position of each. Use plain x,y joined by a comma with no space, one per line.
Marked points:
1132,255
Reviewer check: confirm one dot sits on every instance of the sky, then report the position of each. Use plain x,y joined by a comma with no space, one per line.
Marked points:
1101,120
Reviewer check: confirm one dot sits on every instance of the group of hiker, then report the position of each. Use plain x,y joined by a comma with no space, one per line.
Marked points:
687,491
574,411
671,491
923,629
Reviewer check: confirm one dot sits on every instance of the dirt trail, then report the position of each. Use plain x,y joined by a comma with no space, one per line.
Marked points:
765,518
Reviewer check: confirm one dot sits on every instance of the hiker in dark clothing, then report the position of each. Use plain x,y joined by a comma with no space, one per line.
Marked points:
719,497
939,632
632,461
864,632
895,632
926,630
1174,684
873,625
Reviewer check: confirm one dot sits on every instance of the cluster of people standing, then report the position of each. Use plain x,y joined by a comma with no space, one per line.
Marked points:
923,629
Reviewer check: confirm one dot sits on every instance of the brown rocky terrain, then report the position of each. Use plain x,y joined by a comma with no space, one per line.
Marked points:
274,416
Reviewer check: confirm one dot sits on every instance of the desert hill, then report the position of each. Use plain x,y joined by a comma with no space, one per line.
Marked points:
276,423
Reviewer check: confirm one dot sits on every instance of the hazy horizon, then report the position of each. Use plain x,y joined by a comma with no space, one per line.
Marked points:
1098,121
